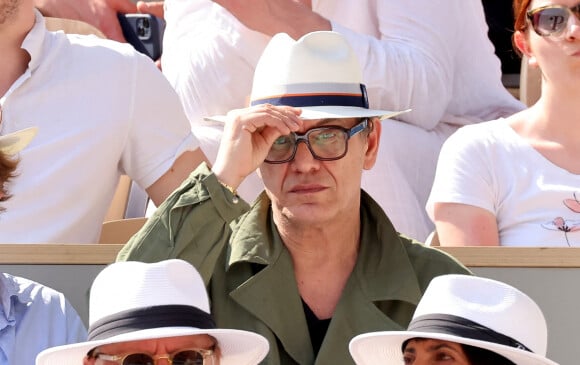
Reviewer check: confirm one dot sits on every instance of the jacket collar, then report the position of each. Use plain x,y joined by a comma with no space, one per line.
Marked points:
255,239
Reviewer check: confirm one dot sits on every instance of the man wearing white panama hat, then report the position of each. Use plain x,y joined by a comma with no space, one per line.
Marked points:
140,313
433,56
33,317
315,260
463,320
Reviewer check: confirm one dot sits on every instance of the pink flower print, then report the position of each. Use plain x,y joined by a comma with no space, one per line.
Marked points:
573,204
564,225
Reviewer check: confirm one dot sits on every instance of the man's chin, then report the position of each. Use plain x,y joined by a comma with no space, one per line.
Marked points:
308,213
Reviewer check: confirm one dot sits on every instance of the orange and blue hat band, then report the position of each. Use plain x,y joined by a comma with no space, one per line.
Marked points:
317,98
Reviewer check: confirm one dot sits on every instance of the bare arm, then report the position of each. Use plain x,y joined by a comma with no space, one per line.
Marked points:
99,13
294,17
465,225
168,182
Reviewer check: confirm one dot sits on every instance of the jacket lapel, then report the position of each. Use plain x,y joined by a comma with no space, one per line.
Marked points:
383,281
271,294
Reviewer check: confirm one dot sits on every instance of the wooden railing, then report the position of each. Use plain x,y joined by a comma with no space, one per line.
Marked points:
74,254
549,275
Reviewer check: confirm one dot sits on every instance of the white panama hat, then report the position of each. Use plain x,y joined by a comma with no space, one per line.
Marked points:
468,310
318,73
133,301
12,143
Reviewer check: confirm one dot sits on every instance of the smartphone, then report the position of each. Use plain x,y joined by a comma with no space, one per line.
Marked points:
144,32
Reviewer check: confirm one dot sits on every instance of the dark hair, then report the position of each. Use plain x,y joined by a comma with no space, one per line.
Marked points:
479,356
475,355
7,172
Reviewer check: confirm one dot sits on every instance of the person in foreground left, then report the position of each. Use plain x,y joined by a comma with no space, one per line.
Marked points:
463,320
33,317
141,313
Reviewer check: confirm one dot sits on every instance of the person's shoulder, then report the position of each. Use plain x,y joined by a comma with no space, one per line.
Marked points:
480,131
476,137
34,292
93,48
430,261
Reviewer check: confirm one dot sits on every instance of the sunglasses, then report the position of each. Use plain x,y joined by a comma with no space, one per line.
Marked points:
327,143
181,357
552,20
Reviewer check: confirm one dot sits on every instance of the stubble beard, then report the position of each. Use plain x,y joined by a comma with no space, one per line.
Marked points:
8,10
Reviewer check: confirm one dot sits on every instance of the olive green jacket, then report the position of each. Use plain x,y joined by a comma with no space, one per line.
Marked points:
249,272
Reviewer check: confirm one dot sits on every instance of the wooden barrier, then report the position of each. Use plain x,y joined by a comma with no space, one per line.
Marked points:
549,275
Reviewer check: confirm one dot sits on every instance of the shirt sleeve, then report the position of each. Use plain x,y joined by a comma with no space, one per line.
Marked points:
412,61
193,224
464,171
209,57
159,131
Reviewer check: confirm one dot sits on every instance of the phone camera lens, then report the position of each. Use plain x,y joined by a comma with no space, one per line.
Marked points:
143,28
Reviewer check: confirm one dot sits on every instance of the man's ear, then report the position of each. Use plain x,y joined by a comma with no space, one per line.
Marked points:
521,41
373,142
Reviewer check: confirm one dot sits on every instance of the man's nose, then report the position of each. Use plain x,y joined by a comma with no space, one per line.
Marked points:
303,159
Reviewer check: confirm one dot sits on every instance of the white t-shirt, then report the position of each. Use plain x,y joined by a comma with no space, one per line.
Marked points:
429,55
490,166
102,110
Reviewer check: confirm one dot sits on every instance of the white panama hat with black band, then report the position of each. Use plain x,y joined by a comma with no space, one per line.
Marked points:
318,73
133,301
468,310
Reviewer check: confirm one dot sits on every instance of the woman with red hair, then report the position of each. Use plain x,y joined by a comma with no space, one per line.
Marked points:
516,181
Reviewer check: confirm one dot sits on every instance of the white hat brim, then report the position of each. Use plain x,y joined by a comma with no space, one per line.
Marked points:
12,143
328,112
236,346
385,348
331,112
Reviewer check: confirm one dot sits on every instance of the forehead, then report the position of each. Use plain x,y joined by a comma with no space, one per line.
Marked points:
430,345
344,122
168,344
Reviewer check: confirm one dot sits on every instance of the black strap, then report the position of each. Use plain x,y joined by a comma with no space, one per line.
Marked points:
150,317
461,327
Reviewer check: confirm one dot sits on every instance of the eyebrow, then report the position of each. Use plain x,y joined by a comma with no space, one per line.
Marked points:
333,121
442,345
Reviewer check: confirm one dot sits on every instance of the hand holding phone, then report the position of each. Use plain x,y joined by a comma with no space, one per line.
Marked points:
144,32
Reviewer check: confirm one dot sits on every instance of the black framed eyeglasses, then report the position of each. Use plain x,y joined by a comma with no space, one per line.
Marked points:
181,357
552,20
326,143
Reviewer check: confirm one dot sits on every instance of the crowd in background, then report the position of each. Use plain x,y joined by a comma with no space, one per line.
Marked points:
407,128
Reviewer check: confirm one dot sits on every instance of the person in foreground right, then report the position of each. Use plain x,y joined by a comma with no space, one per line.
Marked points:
463,320
516,181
